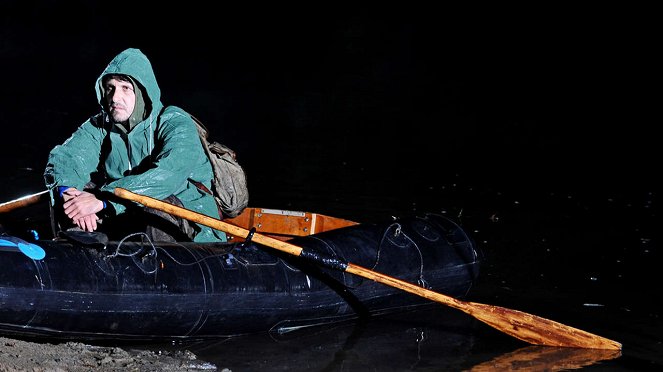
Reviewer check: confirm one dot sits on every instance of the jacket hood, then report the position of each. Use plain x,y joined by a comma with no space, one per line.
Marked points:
134,63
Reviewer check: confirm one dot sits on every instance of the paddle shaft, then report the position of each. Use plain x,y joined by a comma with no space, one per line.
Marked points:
527,327
22,201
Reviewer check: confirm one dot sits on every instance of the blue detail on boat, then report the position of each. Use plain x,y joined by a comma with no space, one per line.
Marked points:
33,251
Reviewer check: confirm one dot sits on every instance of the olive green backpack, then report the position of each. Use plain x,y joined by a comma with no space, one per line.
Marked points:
229,186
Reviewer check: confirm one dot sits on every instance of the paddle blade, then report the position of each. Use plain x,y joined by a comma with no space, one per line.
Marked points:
527,327
536,330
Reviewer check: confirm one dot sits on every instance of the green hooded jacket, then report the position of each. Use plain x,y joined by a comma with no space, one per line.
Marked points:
157,157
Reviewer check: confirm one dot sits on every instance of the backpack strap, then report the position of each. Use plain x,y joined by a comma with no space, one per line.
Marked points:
202,134
229,179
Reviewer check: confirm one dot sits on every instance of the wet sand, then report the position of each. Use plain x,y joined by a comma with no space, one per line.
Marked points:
18,355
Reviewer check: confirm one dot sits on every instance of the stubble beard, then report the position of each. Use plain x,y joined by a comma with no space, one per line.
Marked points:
119,116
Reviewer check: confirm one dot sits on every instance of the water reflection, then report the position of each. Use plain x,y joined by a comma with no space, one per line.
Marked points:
431,338
424,338
543,358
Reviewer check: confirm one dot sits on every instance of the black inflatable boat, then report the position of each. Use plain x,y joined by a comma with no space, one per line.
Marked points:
75,287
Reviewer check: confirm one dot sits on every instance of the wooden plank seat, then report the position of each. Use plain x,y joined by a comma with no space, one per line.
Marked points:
284,224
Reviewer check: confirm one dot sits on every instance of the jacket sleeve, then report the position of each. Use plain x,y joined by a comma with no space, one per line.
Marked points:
178,157
73,162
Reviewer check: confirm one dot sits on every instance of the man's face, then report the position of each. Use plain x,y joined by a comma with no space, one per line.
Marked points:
120,98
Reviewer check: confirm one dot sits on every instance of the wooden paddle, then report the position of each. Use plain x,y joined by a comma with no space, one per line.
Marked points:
22,201
527,327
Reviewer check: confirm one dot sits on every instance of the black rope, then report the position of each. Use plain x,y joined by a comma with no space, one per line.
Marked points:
249,236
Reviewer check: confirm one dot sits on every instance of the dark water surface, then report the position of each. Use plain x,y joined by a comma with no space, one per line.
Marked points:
586,260
590,261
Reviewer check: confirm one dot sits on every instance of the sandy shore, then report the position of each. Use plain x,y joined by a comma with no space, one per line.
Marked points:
18,355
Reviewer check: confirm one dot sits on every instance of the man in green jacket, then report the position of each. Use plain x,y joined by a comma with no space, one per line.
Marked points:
137,144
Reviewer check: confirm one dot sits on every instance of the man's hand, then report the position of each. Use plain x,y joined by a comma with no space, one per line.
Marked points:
87,223
81,207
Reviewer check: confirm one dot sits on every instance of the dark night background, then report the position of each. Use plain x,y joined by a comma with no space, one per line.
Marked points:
519,97
542,118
